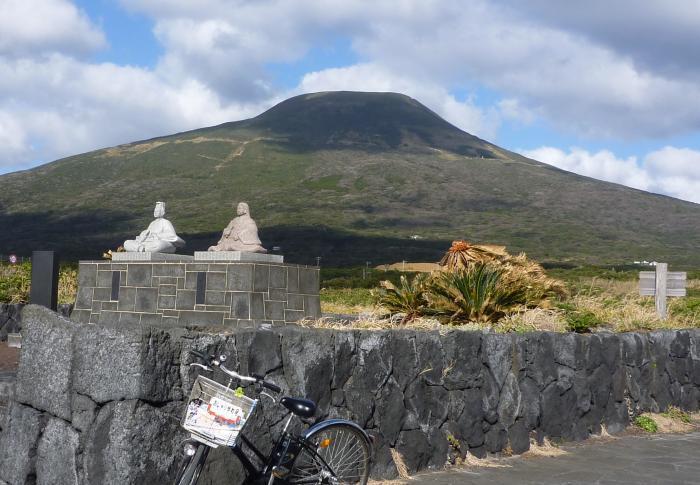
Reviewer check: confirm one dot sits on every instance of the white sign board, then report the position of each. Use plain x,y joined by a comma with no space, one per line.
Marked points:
675,283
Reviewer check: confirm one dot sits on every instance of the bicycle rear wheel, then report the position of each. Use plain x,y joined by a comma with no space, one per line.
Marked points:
192,466
339,451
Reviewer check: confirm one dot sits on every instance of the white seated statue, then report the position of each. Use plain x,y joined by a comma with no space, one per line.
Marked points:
160,237
241,234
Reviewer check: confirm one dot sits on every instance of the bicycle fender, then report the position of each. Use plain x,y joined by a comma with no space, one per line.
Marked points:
324,424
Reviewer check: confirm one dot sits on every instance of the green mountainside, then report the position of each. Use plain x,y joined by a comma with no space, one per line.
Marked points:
347,176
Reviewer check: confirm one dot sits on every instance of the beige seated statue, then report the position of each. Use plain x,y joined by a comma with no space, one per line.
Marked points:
241,234
160,237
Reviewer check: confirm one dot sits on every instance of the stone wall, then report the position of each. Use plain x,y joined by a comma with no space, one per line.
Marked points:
235,294
102,404
11,317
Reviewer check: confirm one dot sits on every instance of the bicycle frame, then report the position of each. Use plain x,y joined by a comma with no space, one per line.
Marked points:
286,450
256,473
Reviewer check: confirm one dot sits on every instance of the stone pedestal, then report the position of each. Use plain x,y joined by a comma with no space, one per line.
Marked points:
237,256
131,256
232,293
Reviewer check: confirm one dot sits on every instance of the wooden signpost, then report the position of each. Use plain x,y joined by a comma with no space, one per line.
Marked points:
662,284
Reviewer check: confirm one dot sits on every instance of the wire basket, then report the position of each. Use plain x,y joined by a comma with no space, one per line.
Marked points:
215,415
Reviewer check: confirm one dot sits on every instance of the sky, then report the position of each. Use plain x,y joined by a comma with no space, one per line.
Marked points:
608,89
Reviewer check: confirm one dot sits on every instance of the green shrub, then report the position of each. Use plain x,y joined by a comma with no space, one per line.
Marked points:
358,277
677,414
685,307
646,423
474,294
582,321
408,297
577,319
15,282
350,297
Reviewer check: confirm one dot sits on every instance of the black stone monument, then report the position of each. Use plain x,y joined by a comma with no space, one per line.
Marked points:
44,289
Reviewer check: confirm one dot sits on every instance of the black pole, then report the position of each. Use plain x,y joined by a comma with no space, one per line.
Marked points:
44,289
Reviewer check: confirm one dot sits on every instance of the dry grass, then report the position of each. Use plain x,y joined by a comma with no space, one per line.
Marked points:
488,462
67,285
531,320
131,150
668,424
400,464
410,267
545,449
675,421
376,322
618,304
15,283
387,482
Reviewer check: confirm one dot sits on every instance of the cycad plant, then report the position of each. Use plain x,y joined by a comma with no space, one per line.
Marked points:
409,297
516,271
474,293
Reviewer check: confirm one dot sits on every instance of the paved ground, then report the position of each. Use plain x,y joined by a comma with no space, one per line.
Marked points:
631,460
9,357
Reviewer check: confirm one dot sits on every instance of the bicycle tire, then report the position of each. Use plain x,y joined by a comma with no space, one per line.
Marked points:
192,466
347,455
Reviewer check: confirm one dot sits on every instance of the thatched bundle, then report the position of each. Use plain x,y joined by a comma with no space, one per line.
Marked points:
517,271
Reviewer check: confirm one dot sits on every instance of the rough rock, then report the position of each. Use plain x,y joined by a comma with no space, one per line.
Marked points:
56,462
131,442
116,394
18,444
44,376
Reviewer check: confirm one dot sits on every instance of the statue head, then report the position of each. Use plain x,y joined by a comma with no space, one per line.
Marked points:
242,209
159,211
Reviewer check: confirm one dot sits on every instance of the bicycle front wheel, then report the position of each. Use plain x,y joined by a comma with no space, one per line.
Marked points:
338,453
192,466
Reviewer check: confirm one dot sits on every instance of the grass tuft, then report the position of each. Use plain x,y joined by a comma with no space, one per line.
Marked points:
646,423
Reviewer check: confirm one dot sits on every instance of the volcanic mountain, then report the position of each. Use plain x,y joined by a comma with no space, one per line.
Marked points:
350,177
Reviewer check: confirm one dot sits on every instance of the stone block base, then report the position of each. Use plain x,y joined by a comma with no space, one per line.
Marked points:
237,256
231,293
150,257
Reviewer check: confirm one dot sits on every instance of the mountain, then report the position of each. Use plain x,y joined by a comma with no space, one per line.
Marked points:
350,177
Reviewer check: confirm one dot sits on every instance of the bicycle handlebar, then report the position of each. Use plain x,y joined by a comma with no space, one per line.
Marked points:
212,361
269,385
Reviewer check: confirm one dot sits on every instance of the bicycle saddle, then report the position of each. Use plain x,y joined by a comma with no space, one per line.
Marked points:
300,407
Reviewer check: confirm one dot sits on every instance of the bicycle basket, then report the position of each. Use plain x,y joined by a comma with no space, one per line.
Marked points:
215,415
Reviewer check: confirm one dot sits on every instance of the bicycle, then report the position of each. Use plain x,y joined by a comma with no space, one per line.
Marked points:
333,451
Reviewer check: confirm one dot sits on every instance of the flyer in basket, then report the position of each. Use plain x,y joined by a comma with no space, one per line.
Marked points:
217,417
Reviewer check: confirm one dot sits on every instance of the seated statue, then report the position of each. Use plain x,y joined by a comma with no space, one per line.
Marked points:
160,237
241,234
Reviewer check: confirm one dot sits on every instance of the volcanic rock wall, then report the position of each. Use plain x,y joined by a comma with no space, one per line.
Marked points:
11,317
102,404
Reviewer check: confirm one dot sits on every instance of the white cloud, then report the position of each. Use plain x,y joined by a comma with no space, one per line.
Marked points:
659,35
86,106
370,77
595,74
579,69
670,171
39,26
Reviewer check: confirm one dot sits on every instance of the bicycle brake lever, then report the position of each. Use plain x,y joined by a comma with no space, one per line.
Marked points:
201,365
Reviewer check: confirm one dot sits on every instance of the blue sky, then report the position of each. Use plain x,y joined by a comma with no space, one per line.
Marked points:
605,89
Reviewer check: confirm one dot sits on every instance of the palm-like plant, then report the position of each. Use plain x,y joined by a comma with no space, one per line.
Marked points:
474,293
462,254
516,271
409,297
